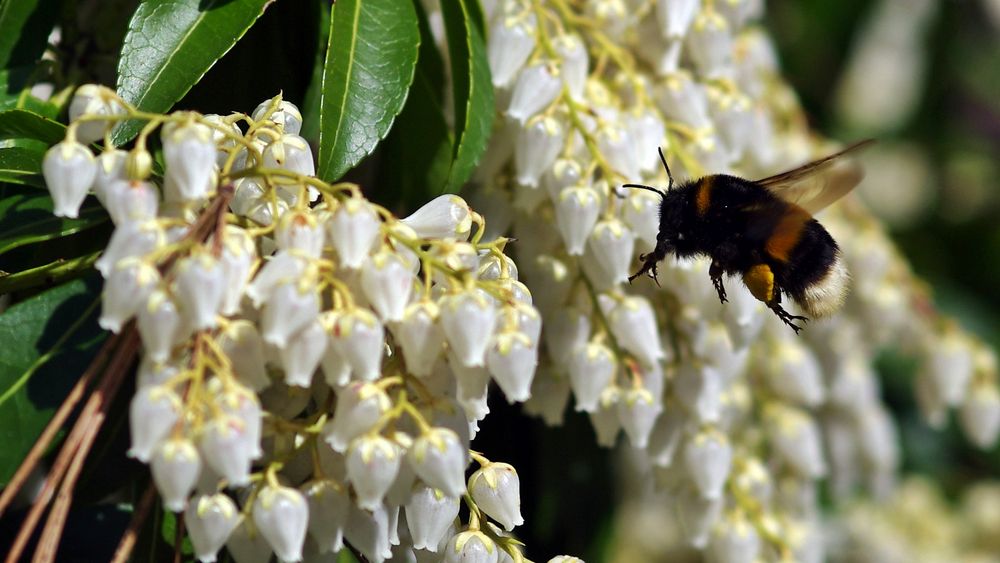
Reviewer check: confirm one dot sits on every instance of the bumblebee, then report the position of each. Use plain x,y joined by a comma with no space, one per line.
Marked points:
762,231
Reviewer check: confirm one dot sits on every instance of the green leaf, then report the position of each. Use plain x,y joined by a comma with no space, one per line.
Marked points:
26,218
471,86
49,340
171,44
23,123
21,163
310,105
15,91
24,29
370,61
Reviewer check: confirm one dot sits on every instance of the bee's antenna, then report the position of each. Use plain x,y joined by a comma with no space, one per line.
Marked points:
670,177
644,187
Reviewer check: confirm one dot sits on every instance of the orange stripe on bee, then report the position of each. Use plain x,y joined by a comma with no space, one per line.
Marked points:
703,196
787,233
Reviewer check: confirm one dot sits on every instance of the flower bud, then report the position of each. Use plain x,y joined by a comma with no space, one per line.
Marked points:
226,446
69,169
138,165
576,214
471,547
446,216
210,519
175,466
387,283
420,336
700,388
511,42
795,439
290,152
611,244
536,87
368,532
642,214
538,144
710,44
152,413
467,319
372,466
127,241
328,509
299,231
94,100
110,168
980,414
620,149
591,370
189,154
634,325
281,515
290,308
700,514
301,356
637,410
247,545
439,459
358,337
359,407
675,16
734,540
511,360
575,63
199,284
352,230
605,419
708,458
131,201
159,325
286,115
497,491
793,373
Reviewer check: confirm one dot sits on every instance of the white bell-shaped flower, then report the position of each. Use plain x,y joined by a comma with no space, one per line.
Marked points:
368,532
980,414
536,87
637,410
577,209
94,100
372,465
948,366
176,466
360,405
700,387
446,216
796,440
226,446
281,514
292,305
328,509
290,152
565,330
793,374
352,230
642,215
708,457
245,349
358,336
237,259
591,370
224,143
511,359
247,196
611,244
110,168
429,514
336,368
563,173
199,286
420,336
710,44
511,42
246,544
575,63
468,319
130,240
675,16
282,267
607,425
69,169
646,130
634,325
152,373
538,144
243,404
299,231
301,355
700,515
126,289
683,99
620,149
189,154
439,458
734,540
387,283
497,491
286,115
471,547
159,325
131,201
472,387
210,519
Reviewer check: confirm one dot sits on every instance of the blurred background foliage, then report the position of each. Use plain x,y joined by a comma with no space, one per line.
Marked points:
922,76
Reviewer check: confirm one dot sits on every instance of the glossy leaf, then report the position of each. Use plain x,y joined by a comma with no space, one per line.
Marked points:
24,29
21,162
26,217
170,45
471,86
370,62
27,124
49,340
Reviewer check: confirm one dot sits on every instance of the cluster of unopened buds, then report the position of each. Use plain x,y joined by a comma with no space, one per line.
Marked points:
313,368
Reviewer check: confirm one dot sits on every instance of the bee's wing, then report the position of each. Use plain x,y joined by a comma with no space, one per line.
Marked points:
815,185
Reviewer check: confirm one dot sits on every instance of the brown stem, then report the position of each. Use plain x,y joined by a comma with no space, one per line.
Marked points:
178,537
127,543
42,444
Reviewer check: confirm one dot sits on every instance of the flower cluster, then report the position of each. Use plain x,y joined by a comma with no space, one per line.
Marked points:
314,368
733,414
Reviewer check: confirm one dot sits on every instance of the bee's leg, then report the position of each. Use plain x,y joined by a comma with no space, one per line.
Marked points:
715,272
759,279
649,262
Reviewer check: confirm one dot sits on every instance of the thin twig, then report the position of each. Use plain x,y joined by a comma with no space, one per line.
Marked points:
178,536
127,543
42,443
